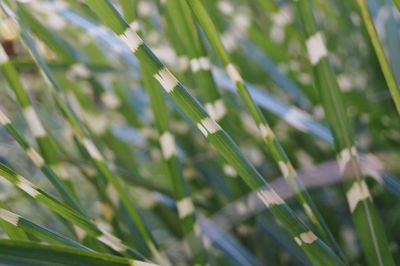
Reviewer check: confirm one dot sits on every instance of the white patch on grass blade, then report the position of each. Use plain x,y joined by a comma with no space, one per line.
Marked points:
111,241
185,207
210,125
344,157
226,7
201,63
110,99
216,110
9,217
78,70
241,208
3,56
183,63
92,149
27,186
60,171
112,194
316,48
358,191
197,229
98,123
35,157
233,73
309,212
140,263
134,25
206,241
4,119
306,238
131,39
158,256
286,168
229,170
202,129
269,197
168,146
34,123
265,131
79,232
56,21
166,79
282,17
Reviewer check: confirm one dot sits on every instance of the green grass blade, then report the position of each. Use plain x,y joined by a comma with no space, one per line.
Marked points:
380,53
30,253
37,230
365,217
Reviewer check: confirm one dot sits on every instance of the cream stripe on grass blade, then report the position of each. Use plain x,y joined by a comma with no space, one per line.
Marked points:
346,156
233,73
131,38
168,146
185,207
35,157
3,119
216,110
365,217
34,123
278,153
202,63
3,56
269,197
357,192
9,217
316,48
306,238
316,251
208,126
166,79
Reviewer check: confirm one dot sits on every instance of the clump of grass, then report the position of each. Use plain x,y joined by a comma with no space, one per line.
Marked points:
127,88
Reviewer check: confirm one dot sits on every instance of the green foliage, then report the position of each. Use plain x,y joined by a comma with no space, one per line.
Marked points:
149,132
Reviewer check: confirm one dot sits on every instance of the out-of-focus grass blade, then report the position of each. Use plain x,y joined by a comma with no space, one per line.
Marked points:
380,53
